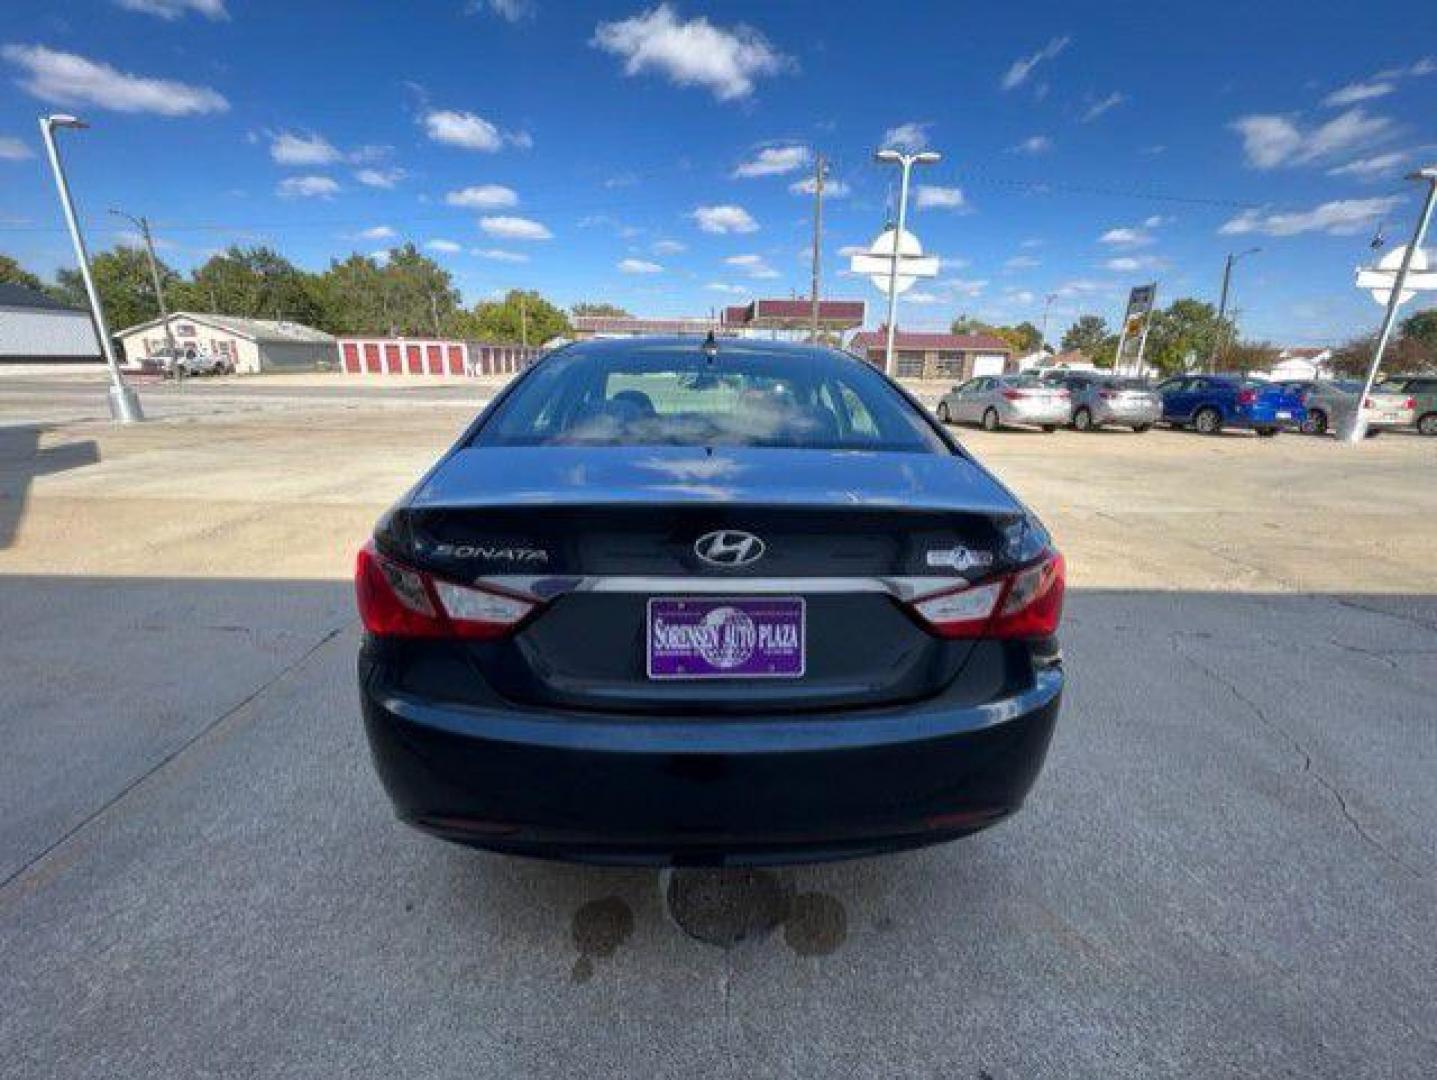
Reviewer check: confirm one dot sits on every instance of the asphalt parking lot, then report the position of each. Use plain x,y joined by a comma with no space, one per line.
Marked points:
1228,868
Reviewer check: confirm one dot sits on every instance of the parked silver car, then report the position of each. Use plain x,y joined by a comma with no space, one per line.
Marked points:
1100,397
1330,405
1005,401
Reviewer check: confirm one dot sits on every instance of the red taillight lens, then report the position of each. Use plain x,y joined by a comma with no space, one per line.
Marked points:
1013,395
398,601
1026,604
1410,403
1246,397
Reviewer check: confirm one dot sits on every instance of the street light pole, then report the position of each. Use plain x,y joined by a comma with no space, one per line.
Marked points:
1222,304
906,161
1043,334
143,225
124,402
819,168
1359,423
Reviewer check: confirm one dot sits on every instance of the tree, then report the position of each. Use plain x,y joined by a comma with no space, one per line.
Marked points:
12,273
520,316
1086,336
1185,334
1352,358
600,310
1247,356
1421,328
1022,338
256,283
127,291
966,324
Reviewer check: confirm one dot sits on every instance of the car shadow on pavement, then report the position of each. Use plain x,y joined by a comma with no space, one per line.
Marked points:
22,459
1236,815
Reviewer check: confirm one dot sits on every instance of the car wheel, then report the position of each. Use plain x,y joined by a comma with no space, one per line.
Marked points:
1049,428
1427,425
1316,423
990,420
1140,428
1208,421
1266,432
943,416
1083,420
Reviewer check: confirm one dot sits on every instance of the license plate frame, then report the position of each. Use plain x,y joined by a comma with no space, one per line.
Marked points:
725,637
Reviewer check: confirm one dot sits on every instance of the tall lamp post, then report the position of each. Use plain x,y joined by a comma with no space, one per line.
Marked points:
1220,341
143,225
1043,334
124,402
906,161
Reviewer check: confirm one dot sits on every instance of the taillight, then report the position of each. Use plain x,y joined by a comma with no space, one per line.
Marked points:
1024,604
399,601
1367,403
1246,397
1013,395
1106,395
1410,403
1063,394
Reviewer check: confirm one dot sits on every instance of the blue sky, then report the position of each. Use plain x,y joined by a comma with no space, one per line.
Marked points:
646,154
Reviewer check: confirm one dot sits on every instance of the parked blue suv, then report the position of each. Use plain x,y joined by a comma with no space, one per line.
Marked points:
1210,403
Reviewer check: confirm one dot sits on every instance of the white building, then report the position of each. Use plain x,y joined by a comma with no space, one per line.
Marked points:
1301,364
35,327
251,345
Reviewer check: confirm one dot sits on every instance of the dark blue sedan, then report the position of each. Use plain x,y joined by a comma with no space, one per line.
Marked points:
1209,403
674,602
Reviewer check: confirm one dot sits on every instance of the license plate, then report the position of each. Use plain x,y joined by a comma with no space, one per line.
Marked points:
747,637
1390,417
1284,414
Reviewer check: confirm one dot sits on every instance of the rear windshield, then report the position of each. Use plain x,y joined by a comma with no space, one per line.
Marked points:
743,397
1127,384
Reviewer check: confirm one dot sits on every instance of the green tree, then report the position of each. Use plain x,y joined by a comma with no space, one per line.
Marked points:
409,294
255,282
599,310
122,278
966,324
12,273
1086,336
1023,338
1248,356
1352,358
1185,334
1422,329
521,315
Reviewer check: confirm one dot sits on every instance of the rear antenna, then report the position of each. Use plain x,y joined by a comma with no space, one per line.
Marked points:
710,347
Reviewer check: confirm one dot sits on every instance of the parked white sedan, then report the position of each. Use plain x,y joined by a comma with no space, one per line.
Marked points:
996,401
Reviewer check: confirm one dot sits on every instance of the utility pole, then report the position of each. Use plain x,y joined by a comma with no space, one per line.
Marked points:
523,321
1219,344
1043,334
1359,424
143,224
906,161
819,167
124,402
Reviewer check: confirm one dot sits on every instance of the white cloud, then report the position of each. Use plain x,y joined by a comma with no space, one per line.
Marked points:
286,148
918,296
1125,236
1377,167
847,251
1022,262
379,232
1129,263
638,266
1271,141
307,187
910,137
774,161
509,10
724,219
514,228
832,188
448,247
1352,93
940,198
68,79
12,149
668,247
752,265
1156,221
175,9
1095,110
1033,145
483,197
462,129
380,178
1342,217
499,255
692,53
1021,68
724,287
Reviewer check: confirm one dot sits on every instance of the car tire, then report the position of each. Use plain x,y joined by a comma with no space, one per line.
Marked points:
990,420
1049,428
1083,419
1266,432
1138,429
1207,421
1427,424
943,415
1316,423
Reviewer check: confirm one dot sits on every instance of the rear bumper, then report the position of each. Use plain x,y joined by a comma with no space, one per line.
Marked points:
1127,414
1038,416
1246,417
673,791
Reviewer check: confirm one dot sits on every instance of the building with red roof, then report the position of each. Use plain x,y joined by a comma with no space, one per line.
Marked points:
921,355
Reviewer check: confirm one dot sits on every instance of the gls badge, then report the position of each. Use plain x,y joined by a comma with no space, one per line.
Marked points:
959,558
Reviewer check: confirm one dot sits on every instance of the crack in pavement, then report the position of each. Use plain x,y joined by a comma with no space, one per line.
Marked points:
213,725
1307,764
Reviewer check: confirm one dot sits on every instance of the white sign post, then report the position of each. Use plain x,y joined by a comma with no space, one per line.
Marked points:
894,262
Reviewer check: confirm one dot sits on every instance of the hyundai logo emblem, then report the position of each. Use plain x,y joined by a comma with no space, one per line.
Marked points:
729,547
